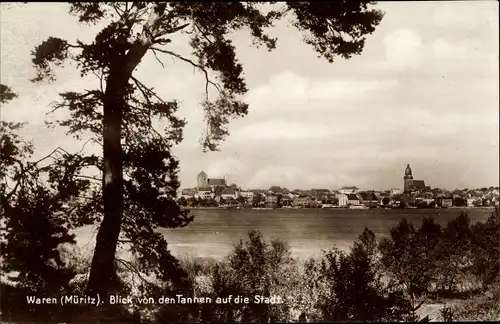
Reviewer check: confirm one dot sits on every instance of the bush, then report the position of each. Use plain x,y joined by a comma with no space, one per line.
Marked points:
257,267
455,255
387,281
483,307
338,287
431,261
355,289
486,247
409,260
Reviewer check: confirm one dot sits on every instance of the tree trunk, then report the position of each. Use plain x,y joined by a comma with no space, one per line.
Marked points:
102,270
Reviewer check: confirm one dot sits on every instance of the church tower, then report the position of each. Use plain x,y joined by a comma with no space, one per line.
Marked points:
202,180
408,179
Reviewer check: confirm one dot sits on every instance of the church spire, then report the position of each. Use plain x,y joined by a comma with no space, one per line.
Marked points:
408,179
408,170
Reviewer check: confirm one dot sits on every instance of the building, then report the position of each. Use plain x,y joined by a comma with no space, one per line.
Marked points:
275,190
407,179
411,185
395,191
258,191
427,195
318,193
369,199
428,201
353,200
396,200
201,180
229,193
188,193
302,202
286,201
204,181
342,199
247,194
384,197
348,190
271,199
446,202
213,182
204,193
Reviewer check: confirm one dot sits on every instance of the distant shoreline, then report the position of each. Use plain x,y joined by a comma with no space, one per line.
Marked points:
330,208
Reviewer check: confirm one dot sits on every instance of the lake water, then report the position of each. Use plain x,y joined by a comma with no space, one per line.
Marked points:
214,232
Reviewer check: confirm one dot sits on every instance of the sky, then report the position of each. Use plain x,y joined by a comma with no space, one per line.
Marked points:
424,92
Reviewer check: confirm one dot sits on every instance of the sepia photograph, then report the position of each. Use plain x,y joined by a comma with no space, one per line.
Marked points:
249,162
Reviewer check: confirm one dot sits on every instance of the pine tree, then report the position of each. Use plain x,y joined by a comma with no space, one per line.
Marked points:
138,170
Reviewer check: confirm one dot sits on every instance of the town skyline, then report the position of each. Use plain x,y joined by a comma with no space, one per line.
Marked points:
217,193
424,92
228,183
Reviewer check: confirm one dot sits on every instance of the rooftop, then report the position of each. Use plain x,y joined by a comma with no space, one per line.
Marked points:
349,187
216,182
352,197
228,191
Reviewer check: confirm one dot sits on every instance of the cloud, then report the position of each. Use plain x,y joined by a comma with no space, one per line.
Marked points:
290,92
363,151
403,49
463,50
34,105
229,167
278,129
290,86
471,15
280,175
424,91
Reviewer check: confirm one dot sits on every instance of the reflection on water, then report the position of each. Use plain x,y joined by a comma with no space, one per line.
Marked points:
213,233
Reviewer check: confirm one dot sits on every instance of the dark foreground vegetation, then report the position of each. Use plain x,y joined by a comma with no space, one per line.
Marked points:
385,280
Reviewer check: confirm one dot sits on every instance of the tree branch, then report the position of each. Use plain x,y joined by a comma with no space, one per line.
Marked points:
120,13
198,66
144,90
74,46
145,40
30,166
420,304
88,177
131,268
101,78
202,33
156,56
175,29
56,150
11,193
